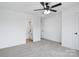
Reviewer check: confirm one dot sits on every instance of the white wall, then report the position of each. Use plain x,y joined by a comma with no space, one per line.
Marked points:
68,26
13,28
36,29
52,27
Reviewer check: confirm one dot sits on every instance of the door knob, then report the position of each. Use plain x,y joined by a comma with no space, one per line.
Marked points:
76,33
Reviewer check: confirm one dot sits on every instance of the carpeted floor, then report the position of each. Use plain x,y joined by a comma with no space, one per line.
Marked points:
43,48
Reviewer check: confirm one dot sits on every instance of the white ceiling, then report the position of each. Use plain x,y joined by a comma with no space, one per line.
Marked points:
28,7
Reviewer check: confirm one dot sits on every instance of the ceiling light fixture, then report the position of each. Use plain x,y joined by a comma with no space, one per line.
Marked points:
46,12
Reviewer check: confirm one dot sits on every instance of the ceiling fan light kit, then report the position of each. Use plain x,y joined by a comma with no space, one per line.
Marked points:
47,9
46,12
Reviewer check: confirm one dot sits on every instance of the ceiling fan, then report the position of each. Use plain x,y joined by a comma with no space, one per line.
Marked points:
47,9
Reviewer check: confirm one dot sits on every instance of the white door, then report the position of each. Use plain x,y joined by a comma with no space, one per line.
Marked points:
76,31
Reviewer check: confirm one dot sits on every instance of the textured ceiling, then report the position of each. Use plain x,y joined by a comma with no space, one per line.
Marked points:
28,7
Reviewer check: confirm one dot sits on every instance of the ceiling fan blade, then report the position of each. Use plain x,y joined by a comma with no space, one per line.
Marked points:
53,10
56,5
38,9
42,3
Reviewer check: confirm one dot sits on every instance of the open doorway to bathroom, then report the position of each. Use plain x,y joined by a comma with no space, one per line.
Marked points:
29,31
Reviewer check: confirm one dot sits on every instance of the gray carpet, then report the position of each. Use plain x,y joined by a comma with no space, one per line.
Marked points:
43,48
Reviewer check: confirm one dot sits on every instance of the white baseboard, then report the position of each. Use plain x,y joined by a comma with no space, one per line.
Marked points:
11,45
